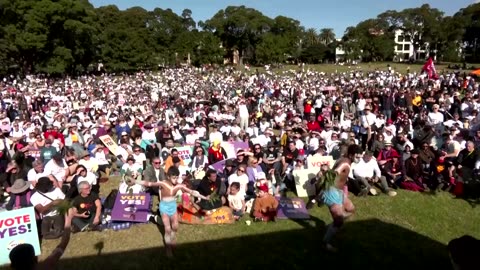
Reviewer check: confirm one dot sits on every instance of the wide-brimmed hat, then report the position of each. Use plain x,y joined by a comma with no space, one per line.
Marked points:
19,186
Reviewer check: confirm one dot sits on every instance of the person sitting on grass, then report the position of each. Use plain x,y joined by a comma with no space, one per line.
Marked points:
265,206
22,257
130,169
86,209
168,204
236,200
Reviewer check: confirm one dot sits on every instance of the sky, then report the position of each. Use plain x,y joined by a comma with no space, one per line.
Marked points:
317,14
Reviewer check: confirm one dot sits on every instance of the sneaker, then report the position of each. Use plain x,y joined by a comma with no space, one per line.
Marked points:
257,219
373,191
391,193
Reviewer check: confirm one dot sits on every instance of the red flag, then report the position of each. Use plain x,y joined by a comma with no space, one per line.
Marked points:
429,67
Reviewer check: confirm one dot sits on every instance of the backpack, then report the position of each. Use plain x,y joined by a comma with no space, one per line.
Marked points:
110,200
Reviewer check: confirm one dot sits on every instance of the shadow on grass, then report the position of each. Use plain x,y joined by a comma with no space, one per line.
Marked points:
370,244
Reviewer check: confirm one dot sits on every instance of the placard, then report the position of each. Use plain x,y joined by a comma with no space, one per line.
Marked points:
131,207
302,179
185,152
109,143
17,227
291,208
316,161
231,148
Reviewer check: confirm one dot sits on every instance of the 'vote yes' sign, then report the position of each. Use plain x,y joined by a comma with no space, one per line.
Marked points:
17,227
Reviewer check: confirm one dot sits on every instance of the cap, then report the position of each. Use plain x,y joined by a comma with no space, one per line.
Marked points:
263,188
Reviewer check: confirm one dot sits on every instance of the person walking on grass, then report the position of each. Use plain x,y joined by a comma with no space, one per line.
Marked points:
335,195
168,204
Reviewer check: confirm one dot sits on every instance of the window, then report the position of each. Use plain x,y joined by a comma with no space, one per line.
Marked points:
400,38
399,47
406,47
407,38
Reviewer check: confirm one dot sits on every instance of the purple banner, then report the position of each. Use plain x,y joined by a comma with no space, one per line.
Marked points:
219,166
292,208
131,207
240,145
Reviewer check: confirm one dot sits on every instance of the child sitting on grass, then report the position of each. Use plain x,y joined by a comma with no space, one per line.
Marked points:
236,200
265,206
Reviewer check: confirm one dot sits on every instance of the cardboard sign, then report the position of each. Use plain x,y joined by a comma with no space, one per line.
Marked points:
131,207
302,181
291,208
185,152
189,215
17,227
109,143
317,161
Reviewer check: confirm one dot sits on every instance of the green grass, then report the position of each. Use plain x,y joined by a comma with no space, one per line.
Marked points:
332,68
409,230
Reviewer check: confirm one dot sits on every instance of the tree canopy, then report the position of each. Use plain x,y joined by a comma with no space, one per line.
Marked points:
72,37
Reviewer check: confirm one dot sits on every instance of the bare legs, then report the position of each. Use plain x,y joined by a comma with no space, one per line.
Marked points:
339,214
171,228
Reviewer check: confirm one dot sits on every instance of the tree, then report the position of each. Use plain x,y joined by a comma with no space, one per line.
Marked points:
239,28
419,25
326,36
311,37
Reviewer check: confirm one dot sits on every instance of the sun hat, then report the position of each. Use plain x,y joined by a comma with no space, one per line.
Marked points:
19,186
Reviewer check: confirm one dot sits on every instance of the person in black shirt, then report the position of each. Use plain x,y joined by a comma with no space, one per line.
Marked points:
467,159
290,154
86,208
209,185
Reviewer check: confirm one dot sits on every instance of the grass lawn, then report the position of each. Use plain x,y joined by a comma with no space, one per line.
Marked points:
332,68
410,230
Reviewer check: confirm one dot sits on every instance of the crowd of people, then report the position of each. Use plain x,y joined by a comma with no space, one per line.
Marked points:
411,133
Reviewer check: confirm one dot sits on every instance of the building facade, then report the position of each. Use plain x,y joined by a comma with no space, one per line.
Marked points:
404,50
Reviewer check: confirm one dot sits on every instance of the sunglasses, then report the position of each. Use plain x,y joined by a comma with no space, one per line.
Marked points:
157,162
241,170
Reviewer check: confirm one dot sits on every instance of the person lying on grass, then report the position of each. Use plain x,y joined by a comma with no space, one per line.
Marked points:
168,204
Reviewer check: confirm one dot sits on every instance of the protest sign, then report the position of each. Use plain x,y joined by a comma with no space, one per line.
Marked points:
109,143
35,153
291,208
185,152
302,181
17,227
231,148
219,166
316,161
131,207
189,215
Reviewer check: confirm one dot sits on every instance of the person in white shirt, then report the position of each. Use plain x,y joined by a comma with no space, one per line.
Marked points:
191,137
366,171
36,173
45,199
436,118
58,168
366,121
243,114
215,134
240,177
264,125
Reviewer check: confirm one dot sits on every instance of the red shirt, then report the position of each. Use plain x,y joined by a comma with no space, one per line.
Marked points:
313,126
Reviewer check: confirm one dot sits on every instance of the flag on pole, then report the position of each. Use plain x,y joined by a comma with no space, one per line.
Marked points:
429,68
